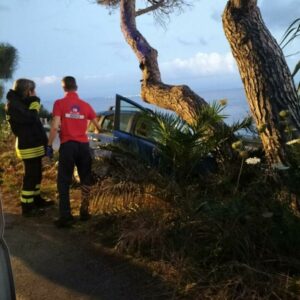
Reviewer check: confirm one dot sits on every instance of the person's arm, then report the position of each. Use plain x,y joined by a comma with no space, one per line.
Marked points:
19,113
95,123
55,125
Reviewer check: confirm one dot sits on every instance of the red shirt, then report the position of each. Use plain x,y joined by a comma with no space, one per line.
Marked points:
75,114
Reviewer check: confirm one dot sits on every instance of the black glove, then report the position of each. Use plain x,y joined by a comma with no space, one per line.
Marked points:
49,151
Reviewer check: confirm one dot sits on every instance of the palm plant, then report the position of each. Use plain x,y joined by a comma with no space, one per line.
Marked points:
292,32
187,154
189,150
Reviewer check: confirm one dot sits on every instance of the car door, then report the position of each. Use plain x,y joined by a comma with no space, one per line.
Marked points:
118,127
132,129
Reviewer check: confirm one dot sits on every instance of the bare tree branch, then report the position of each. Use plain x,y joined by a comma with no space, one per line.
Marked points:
148,9
179,98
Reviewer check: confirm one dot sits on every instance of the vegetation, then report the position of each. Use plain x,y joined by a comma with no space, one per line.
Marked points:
292,32
267,81
8,62
229,232
266,77
185,102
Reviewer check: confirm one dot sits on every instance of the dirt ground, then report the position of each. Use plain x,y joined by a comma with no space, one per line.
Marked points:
50,263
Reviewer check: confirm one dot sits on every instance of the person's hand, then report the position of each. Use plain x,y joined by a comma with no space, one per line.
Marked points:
49,151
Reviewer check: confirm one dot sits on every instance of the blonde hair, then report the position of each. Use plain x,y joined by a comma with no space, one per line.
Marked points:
22,86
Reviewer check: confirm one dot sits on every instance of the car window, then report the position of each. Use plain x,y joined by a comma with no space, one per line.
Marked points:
108,123
126,121
127,113
143,129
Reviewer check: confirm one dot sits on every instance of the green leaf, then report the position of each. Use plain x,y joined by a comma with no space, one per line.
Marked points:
296,69
291,33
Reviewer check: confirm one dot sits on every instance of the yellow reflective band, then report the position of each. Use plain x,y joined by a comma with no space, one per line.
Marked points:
27,193
18,153
31,156
35,105
30,153
26,200
33,152
30,150
37,190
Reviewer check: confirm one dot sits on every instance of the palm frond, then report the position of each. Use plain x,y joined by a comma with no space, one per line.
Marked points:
291,33
246,124
209,115
296,69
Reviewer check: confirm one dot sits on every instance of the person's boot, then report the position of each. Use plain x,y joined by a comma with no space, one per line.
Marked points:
65,221
84,208
84,215
30,210
41,202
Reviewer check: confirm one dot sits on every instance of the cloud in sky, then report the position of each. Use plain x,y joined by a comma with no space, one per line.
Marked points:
47,80
53,79
202,64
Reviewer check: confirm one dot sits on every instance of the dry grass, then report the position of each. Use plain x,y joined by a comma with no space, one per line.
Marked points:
126,186
207,244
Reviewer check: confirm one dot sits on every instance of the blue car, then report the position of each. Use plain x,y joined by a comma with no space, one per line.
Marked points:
123,124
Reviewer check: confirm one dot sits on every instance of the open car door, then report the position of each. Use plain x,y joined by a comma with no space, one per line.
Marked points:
134,129
7,287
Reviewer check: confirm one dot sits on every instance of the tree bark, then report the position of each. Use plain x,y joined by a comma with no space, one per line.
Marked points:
178,98
266,77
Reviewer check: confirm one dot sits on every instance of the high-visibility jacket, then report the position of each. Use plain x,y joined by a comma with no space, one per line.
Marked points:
26,125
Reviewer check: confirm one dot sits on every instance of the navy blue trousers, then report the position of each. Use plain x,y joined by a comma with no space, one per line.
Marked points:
72,154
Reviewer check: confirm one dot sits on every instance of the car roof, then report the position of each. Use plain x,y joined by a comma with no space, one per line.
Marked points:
105,113
111,112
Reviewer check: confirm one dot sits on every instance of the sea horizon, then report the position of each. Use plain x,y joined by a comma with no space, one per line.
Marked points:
236,108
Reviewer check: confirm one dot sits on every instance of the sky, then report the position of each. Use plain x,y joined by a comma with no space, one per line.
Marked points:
80,38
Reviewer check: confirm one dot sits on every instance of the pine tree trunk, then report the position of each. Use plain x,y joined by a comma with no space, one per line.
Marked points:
266,77
178,98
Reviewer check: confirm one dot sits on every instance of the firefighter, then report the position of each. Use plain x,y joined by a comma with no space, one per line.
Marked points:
22,114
